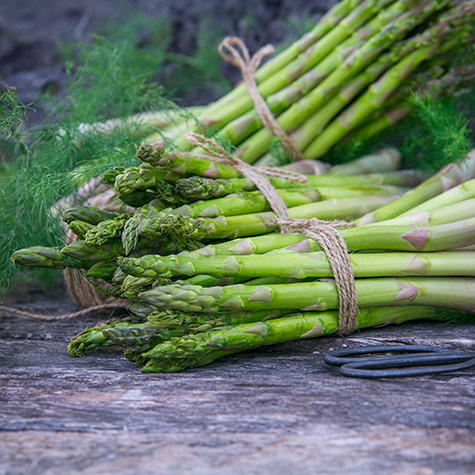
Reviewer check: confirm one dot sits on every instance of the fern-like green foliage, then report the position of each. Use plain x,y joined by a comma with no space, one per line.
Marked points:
435,134
59,158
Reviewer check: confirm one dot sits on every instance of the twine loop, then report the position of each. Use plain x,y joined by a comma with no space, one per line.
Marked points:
253,174
334,246
239,57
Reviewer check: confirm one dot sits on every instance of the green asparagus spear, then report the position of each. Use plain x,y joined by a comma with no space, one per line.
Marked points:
88,214
447,178
197,350
304,265
39,256
253,224
456,292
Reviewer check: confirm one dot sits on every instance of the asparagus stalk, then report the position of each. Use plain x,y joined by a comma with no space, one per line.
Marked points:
92,337
82,252
102,270
184,164
79,228
245,202
403,237
305,265
38,256
254,202
447,214
197,188
87,214
107,230
464,191
110,175
142,178
201,349
388,118
261,223
384,160
456,292
447,178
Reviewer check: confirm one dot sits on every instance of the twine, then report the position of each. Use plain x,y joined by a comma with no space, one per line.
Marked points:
64,316
248,66
324,232
334,246
219,155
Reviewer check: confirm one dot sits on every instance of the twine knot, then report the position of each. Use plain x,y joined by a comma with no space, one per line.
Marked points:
255,175
239,57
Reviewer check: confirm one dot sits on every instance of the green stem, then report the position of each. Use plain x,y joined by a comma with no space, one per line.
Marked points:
445,179
198,350
456,292
305,265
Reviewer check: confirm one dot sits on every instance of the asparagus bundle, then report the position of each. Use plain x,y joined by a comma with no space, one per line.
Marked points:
333,80
189,288
194,246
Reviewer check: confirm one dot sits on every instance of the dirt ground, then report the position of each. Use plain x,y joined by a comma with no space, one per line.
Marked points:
30,30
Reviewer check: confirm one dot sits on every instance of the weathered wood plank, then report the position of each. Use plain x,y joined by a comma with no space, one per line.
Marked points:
276,409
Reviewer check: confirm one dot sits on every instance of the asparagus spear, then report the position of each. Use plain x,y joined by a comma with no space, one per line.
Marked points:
254,202
383,121
102,270
456,292
384,160
107,230
201,349
464,191
246,202
447,178
304,265
447,214
184,163
145,178
82,252
38,256
92,337
79,228
197,188
253,224
87,214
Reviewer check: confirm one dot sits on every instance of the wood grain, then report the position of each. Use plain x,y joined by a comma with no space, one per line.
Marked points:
278,409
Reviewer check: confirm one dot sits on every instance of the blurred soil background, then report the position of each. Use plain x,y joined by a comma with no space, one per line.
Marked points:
37,37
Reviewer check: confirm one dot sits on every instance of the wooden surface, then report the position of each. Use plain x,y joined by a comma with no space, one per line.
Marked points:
276,410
